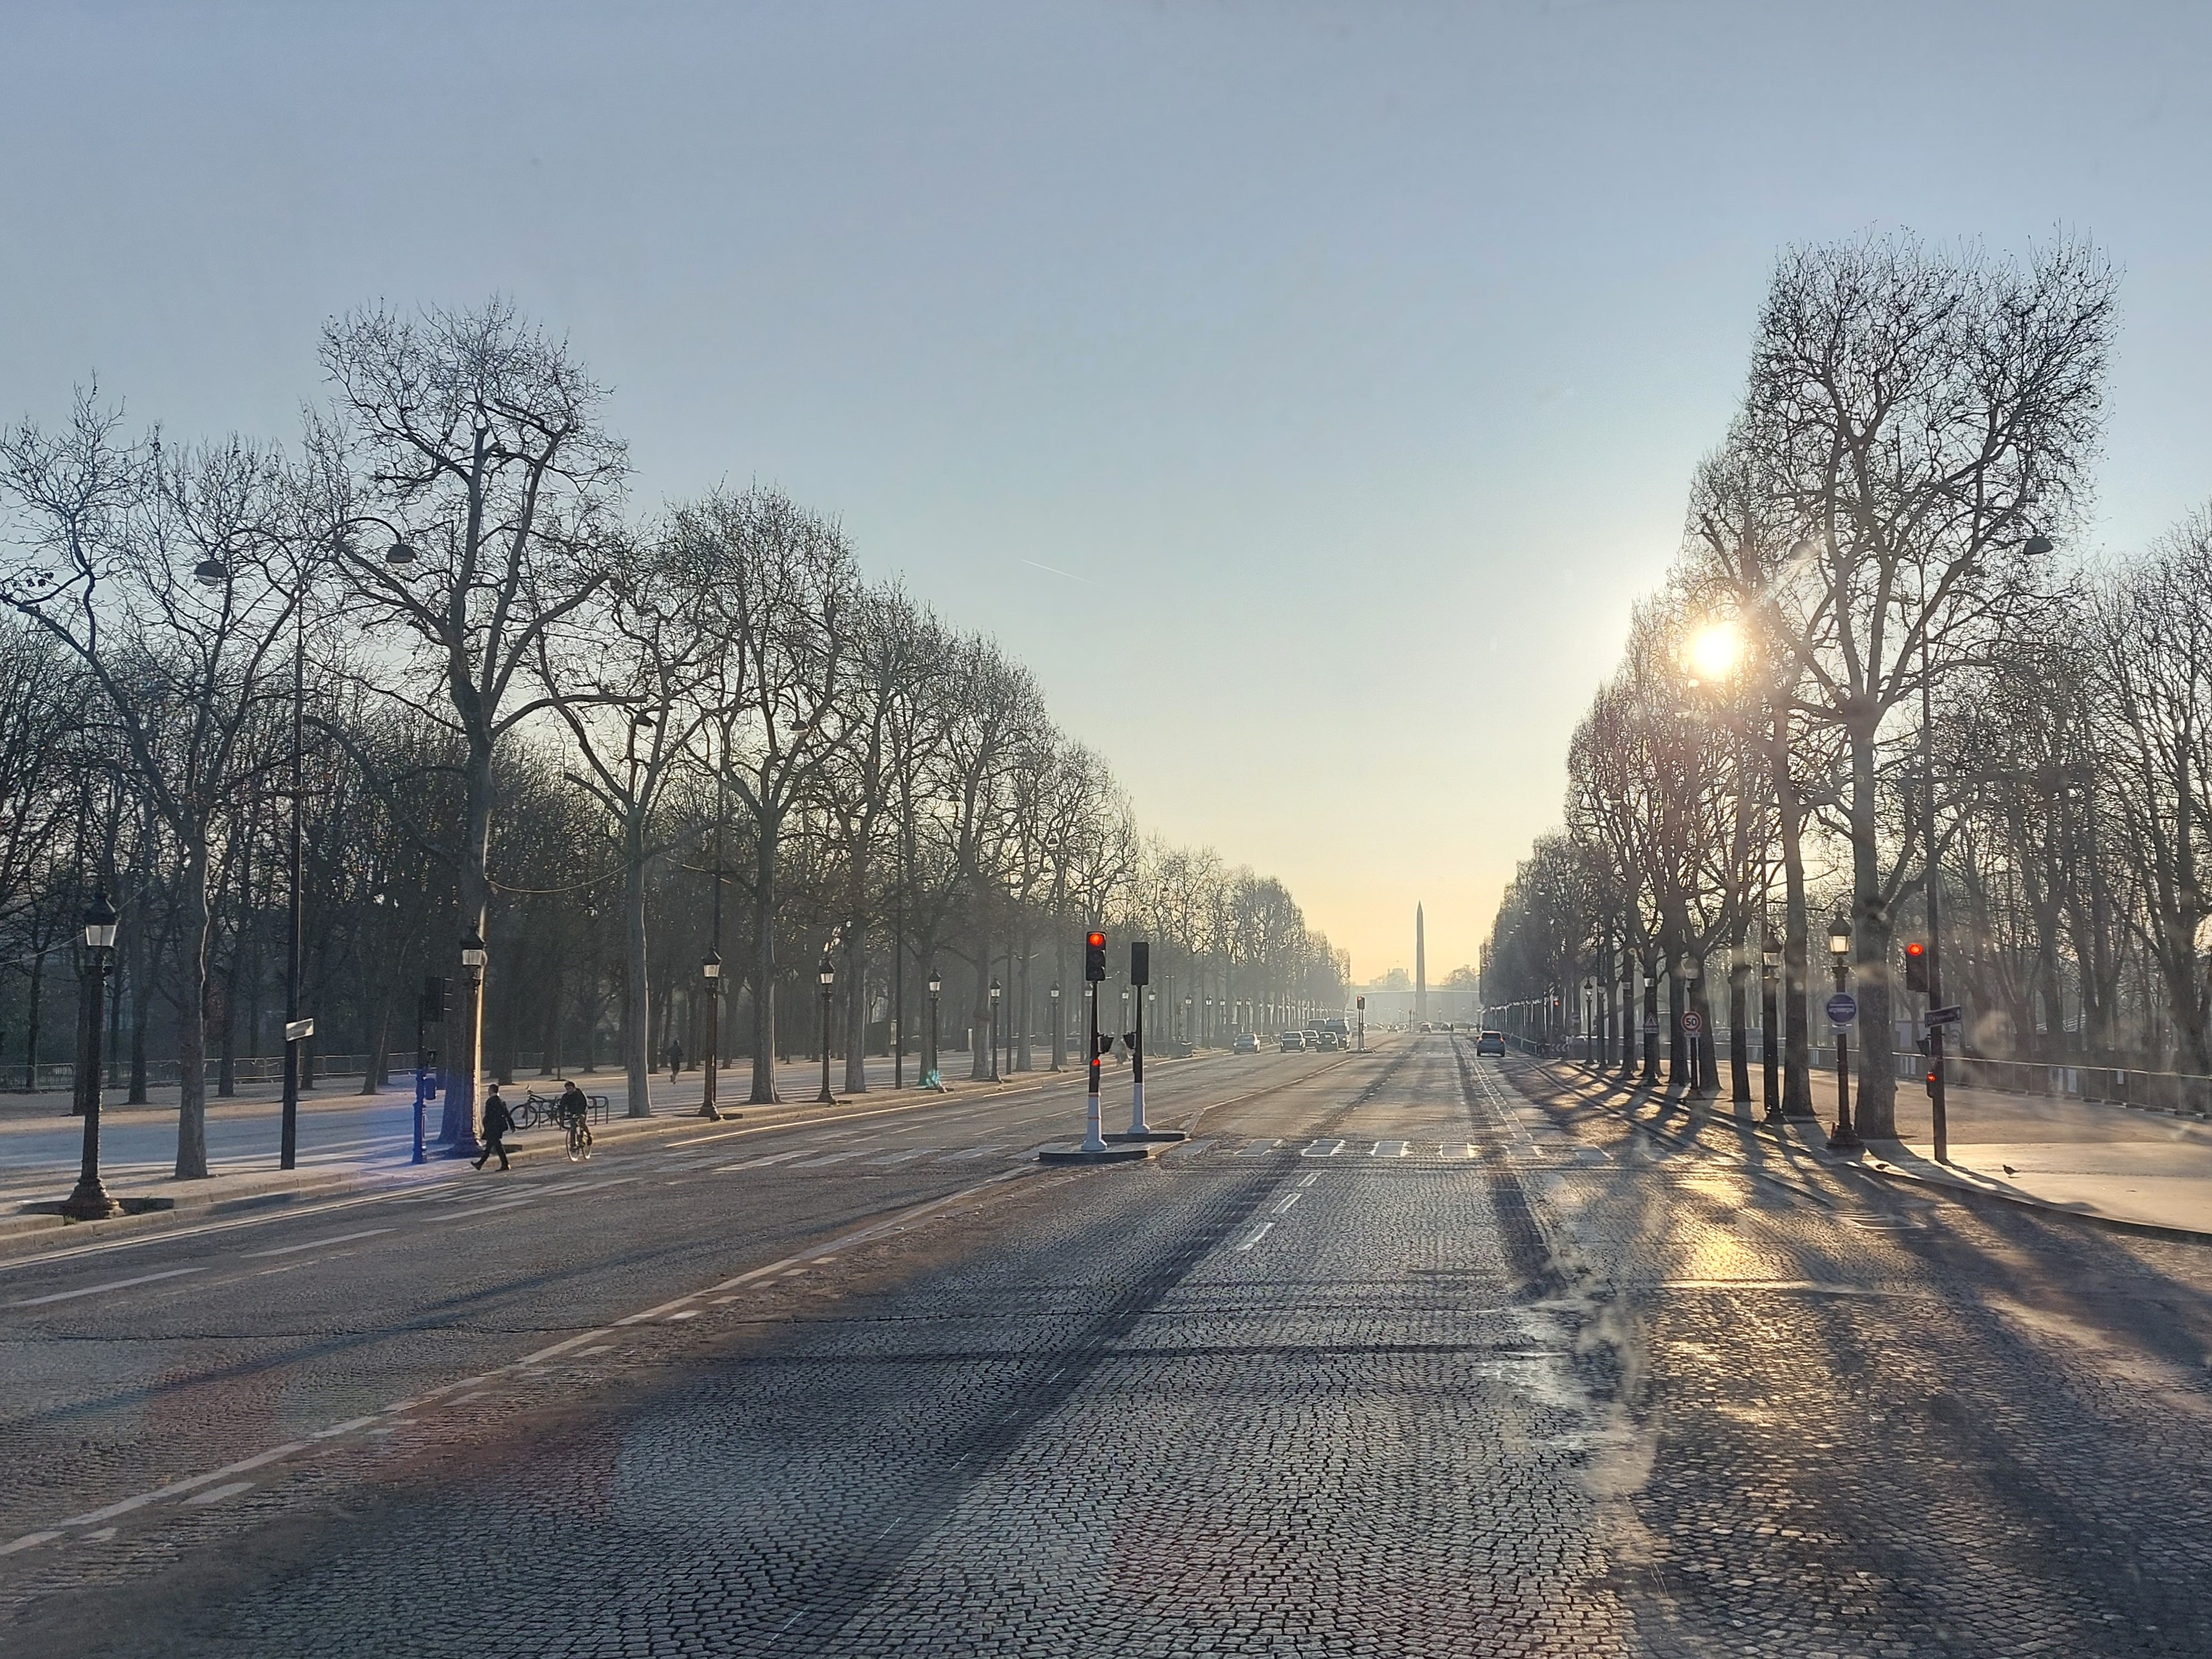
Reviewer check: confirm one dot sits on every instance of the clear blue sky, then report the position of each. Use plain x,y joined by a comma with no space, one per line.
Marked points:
1355,357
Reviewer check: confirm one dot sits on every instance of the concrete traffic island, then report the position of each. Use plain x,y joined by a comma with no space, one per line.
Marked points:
1134,1154
1128,1136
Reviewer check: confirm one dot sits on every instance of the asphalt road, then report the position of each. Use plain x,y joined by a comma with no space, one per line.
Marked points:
1391,1358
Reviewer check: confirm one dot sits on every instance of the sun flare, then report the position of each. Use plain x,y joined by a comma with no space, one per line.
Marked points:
1716,650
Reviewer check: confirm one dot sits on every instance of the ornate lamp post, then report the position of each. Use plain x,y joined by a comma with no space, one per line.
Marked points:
1846,1137
827,973
1058,1064
90,1201
996,993
936,986
711,971
473,957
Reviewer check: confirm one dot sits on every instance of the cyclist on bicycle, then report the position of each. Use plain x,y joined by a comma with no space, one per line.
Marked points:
574,1113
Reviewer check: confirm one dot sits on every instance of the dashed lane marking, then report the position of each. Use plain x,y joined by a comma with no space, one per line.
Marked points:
1283,1208
1258,1233
316,1243
96,1289
1309,1179
216,1494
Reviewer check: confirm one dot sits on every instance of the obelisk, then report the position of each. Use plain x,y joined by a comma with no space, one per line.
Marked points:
1420,969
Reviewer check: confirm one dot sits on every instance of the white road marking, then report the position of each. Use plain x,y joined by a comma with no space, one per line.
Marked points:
216,1494
488,1209
313,1244
756,1163
94,1290
1310,1179
1258,1233
834,1157
686,1313
1283,1208
1387,1149
1323,1149
346,1427
1258,1146
27,1541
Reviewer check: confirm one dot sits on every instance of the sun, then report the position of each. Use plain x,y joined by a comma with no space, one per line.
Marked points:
1716,650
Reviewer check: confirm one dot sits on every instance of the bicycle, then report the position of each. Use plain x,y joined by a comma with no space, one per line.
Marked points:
579,1134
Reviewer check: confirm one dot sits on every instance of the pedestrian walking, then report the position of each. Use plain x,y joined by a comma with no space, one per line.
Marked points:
675,1058
497,1121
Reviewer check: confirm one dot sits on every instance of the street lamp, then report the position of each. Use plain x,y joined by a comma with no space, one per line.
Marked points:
711,971
473,957
1846,1137
1056,1058
827,973
995,994
1770,968
90,1201
936,985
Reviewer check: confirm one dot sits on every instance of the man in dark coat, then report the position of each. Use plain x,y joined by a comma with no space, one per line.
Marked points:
497,1121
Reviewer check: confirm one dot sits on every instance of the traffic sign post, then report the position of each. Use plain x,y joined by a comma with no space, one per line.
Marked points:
1843,1009
1945,1016
1693,1024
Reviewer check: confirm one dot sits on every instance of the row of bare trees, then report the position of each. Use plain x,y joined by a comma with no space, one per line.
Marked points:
533,722
1880,652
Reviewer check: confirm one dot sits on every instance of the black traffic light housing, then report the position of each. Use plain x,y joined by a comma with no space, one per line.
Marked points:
1094,956
1915,965
1140,962
1105,1041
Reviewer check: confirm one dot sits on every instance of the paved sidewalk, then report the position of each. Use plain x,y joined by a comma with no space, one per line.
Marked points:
2102,1162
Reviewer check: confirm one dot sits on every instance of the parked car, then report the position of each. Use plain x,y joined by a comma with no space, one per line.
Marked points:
1491,1042
1293,1042
1244,1042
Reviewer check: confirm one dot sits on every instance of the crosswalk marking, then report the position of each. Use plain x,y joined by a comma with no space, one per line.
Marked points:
1387,1149
1323,1149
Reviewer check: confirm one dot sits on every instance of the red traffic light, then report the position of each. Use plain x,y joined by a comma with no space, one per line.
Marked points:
1915,965
1097,941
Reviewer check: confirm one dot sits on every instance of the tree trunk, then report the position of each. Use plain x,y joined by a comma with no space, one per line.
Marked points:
637,1050
191,1014
763,1089
142,1002
464,1025
1874,1106
855,977
30,1037
1797,1035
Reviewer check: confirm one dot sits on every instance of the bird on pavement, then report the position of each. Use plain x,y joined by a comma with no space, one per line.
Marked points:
2008,1168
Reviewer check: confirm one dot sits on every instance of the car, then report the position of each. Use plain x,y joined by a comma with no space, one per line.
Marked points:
1327,1043
1293,1042
1244,1042
1425,1026
1491,1042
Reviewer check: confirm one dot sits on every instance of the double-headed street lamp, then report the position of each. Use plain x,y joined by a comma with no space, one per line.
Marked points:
710,970
90,1201
827,973
996,993
1846,1137
211,573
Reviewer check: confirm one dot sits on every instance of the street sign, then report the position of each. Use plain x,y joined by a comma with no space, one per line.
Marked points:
1693,1024
1651,1025
1842,1008
298,1030
1944,1016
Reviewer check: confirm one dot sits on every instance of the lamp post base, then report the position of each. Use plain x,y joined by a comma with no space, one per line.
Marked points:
90,1202
1844,1139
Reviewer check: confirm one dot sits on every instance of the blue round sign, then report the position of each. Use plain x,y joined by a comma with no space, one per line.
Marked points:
1842,1008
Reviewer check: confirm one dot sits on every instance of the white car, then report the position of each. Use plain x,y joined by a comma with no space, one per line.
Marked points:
1244,1042
1293,1042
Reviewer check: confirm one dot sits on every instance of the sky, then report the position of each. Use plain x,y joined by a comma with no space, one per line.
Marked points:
1305,391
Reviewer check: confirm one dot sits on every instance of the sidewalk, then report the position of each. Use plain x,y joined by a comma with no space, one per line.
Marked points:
2104,1162
151,1196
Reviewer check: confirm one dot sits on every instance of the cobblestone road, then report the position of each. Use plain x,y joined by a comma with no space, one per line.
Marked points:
1395,1357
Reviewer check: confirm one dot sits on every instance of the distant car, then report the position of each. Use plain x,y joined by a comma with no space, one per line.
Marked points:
1491,1042
1425,1026
1327,1043
1245,1042
1294,1042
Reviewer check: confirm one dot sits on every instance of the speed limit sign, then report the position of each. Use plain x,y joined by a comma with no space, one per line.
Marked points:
1693,1023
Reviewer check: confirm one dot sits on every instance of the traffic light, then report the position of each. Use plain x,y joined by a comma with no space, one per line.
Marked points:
1094,956
1915,965
1363,1005
1104,1044
437,1002
1931,1083
1140,962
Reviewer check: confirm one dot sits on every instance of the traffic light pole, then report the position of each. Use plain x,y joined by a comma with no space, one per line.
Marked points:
1137,1124
1094,1138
